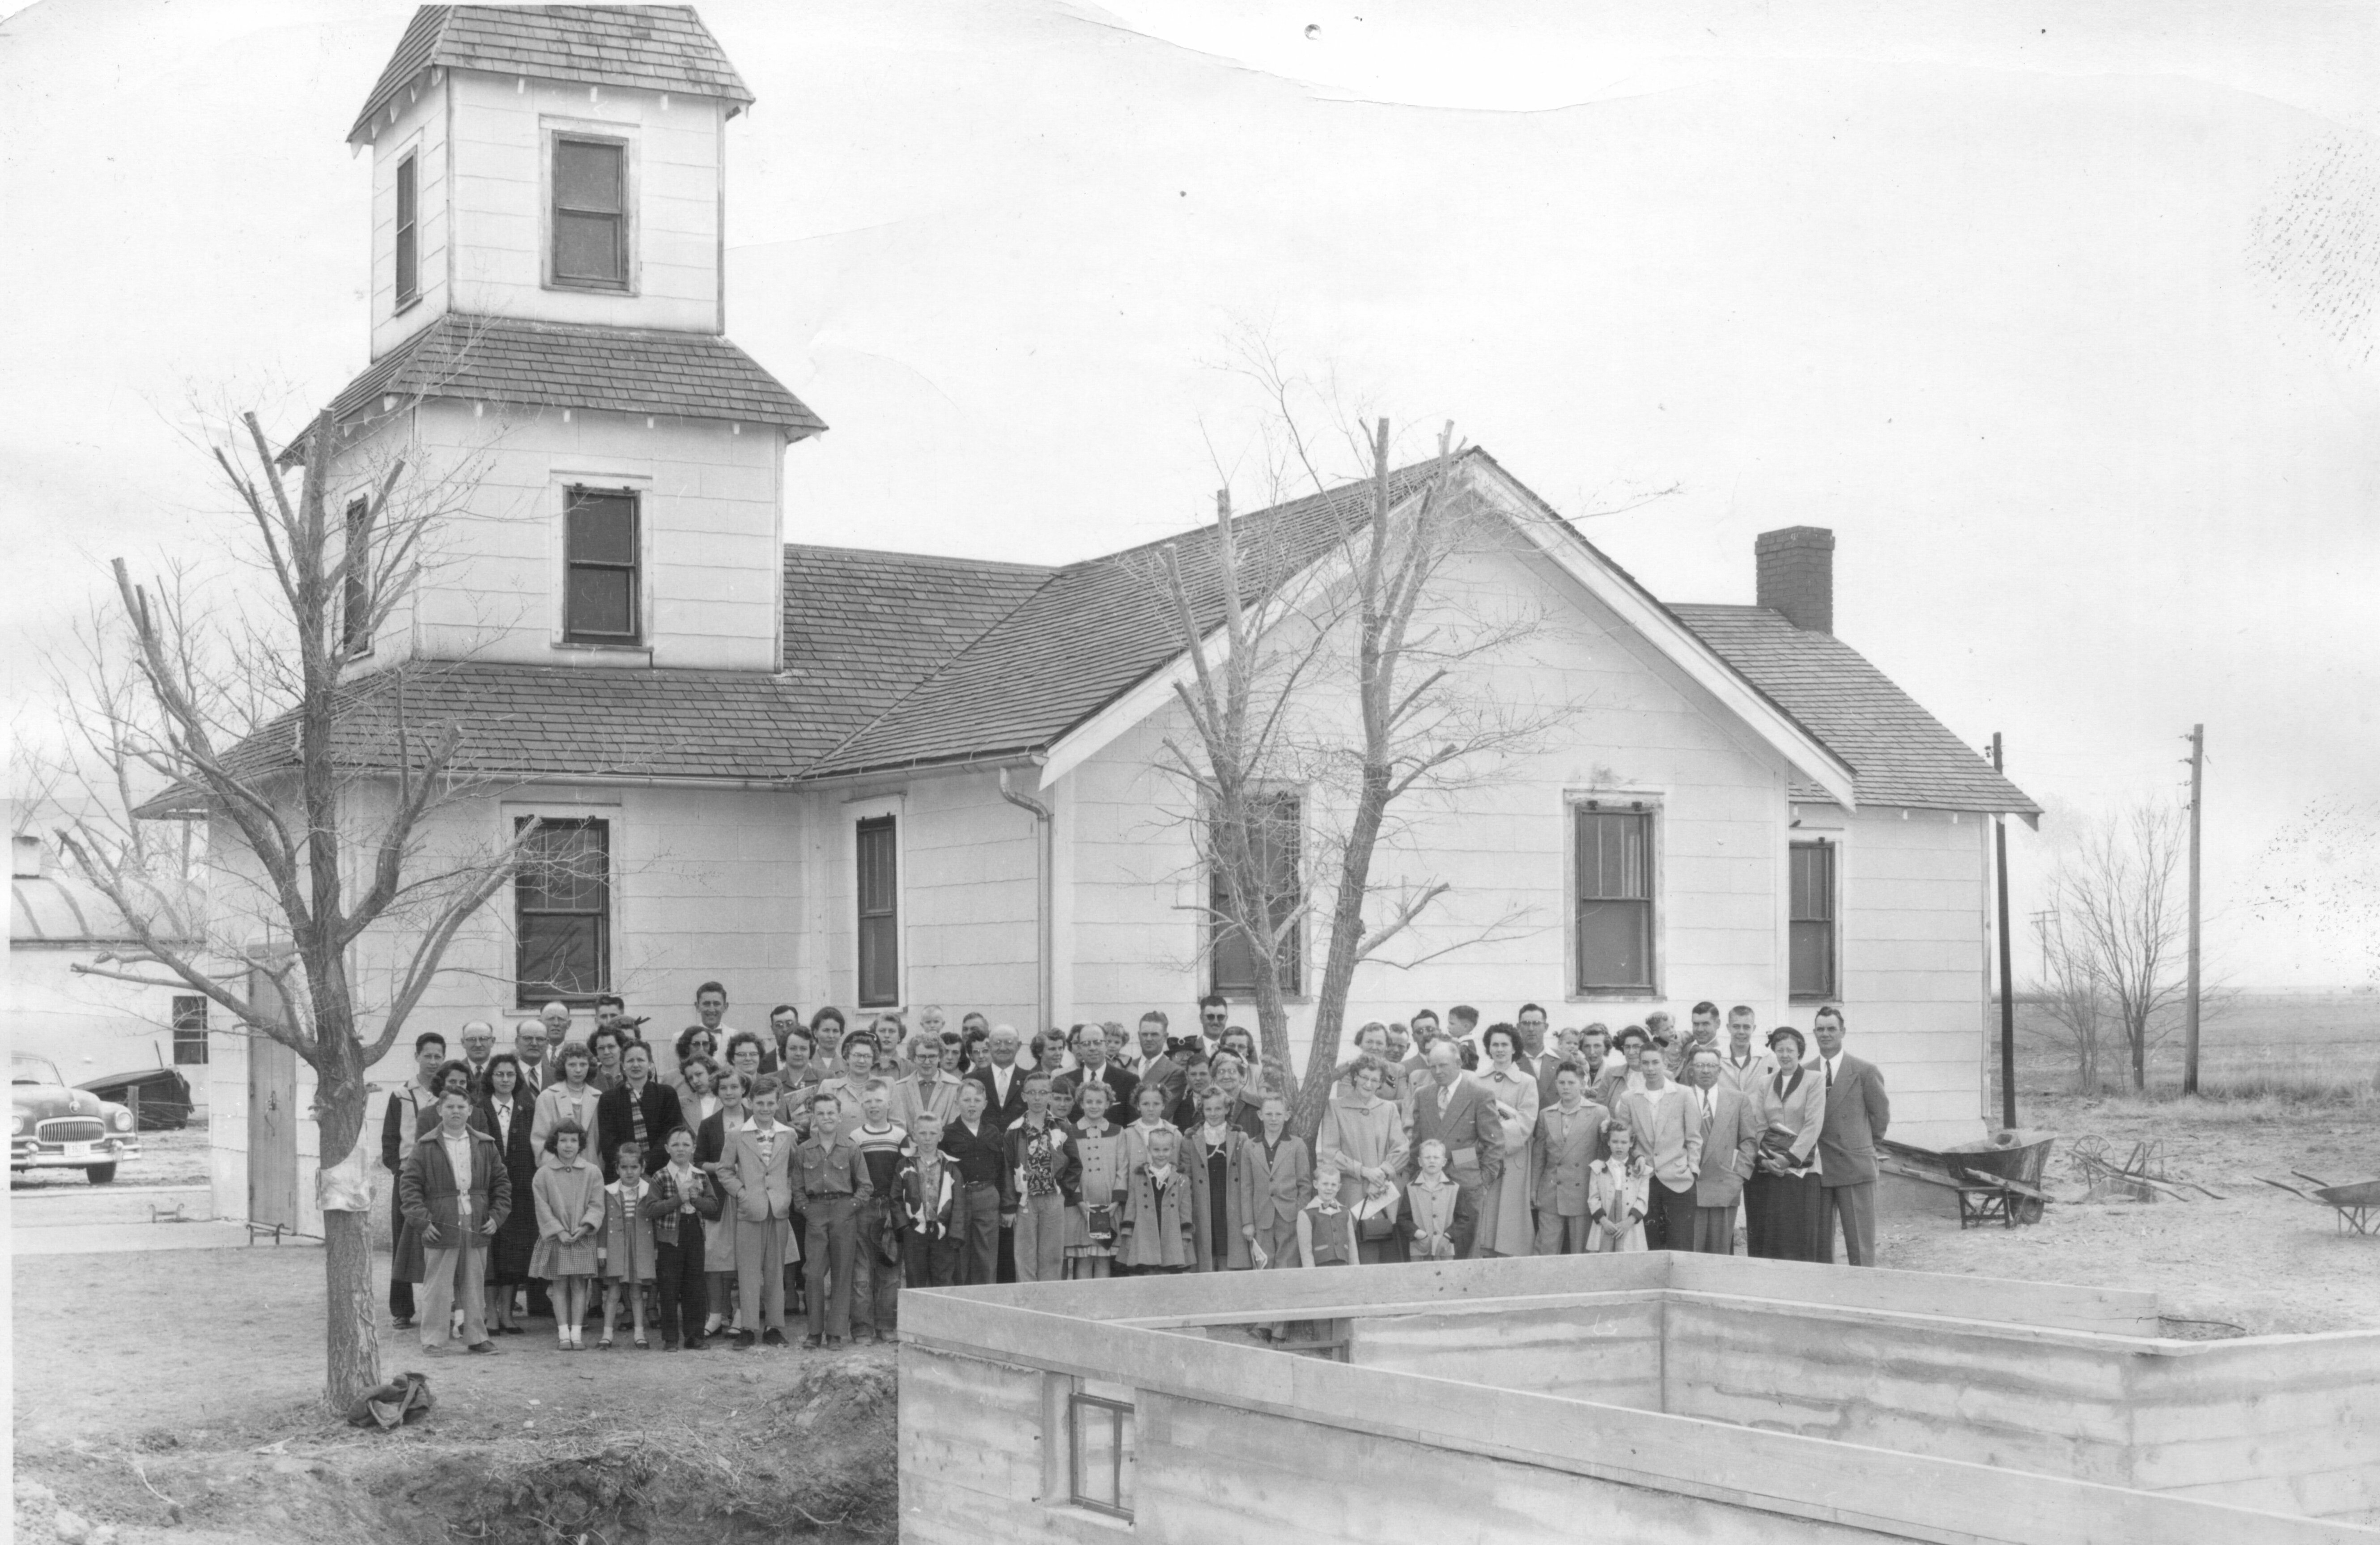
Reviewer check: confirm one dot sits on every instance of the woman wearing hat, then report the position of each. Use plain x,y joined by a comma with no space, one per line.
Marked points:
1784,1210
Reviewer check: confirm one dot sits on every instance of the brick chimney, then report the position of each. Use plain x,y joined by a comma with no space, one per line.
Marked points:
1796,569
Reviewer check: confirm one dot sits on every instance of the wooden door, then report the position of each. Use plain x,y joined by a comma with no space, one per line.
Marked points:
272,1133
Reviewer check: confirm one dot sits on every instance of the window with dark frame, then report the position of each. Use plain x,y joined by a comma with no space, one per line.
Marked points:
409,231
879,920
562,911
1231,958
600,600
1100,1453
590,212
355,598
1811,953
189,1032
1613,874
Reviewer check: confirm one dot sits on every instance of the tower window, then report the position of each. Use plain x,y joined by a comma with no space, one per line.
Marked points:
355,602
600,596
409,231
590,212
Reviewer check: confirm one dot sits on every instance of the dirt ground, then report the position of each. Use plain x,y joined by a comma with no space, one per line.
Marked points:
2261,1260
172,1395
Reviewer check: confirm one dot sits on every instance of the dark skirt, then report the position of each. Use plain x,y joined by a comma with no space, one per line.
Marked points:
515,1241
1784,1217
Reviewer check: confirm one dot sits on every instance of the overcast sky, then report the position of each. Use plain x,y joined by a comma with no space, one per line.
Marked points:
2059,315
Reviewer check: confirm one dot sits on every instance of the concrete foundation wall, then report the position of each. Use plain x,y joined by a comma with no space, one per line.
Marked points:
1889,1423
1608,1351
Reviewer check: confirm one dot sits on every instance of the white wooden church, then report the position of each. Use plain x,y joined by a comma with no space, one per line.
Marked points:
825,776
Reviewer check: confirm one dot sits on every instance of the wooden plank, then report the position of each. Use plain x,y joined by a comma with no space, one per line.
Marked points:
2110,1311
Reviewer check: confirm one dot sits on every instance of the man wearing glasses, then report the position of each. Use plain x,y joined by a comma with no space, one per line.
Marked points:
1214,1013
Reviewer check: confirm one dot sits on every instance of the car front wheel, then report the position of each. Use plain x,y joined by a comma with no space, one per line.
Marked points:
100,1174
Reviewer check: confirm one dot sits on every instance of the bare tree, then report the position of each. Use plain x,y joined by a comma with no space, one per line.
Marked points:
2068,994
1335,665
2123,921
335,895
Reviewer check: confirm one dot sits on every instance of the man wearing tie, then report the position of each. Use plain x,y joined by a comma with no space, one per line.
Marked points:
1003,1080
1731,1142
1459,1112
1857,1113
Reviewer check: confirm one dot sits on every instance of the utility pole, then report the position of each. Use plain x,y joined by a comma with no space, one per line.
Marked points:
2189,1012
2008,970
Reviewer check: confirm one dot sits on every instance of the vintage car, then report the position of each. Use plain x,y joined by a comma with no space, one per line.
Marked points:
58,1128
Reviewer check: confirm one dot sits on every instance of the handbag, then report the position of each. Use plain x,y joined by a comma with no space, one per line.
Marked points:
1379,1226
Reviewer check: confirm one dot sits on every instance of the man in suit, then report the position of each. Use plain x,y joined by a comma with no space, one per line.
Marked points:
757,1172
1730,1141
531,1049
1003,1080
456,1192
1090,1047
1663,1127
1158,1064
556,1016
1571,1136
1461,1115
1857,1113
1743,1067
479,1040
1532,1059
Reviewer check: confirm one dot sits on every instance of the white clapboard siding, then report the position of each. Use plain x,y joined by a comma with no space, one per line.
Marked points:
709,526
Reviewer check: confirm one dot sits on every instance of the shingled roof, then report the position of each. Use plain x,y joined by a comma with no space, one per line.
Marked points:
1900,755
659,48
619,370
1091,632
900,660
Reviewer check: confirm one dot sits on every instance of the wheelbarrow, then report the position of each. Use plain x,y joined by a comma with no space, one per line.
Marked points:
2357,1202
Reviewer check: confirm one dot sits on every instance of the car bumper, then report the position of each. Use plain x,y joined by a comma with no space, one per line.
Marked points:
31,1153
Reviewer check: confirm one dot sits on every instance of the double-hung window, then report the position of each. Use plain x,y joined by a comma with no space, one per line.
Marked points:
1612,926
880,913
1275,835
354,591
189,1031
1812,949
601,602
1099,1458
590,212
408,230
562,901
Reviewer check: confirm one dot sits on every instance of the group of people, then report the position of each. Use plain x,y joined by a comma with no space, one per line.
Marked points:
698,1187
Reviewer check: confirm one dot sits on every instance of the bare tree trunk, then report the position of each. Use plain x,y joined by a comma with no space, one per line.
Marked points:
1346,952
351,1318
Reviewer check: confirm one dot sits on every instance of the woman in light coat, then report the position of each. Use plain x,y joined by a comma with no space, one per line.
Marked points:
1506,1225
1362,1145
1784,1208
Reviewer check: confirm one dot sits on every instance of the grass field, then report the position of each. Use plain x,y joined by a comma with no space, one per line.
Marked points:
2251,1046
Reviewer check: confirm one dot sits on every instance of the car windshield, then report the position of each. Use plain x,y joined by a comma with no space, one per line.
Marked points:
24,1069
